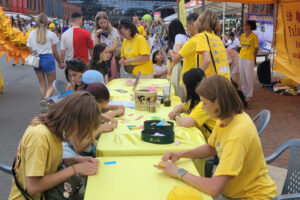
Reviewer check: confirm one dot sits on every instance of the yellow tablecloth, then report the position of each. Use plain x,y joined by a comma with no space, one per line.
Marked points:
134,178
125,142
117,84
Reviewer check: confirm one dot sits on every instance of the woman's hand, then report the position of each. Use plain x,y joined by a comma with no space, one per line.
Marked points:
126,62
98,32
168,167
121,62
61,65
172,156
86,168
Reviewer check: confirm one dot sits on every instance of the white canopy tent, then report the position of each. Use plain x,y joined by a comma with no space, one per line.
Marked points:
195,6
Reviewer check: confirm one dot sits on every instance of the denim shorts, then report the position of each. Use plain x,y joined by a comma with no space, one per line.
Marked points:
47,64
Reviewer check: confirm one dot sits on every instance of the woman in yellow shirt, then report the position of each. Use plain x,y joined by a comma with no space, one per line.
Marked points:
193,106
135,51
40,152
249,44
208,40
242,172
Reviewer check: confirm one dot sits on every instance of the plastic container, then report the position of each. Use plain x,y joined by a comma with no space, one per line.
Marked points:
165,136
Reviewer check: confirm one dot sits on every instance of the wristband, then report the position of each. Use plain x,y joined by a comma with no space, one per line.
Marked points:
131,60
74,169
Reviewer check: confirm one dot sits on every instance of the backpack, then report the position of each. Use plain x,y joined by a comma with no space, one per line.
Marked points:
264,72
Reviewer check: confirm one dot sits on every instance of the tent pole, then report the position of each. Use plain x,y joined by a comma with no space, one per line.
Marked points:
223,31
242,20
275,15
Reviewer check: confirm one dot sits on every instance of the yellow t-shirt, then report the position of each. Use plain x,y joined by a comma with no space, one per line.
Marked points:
248,44
135,47
39,153
241,157
201,118
141,30
218,51
188,52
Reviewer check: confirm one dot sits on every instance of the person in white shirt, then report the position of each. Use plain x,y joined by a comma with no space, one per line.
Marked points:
160,68
43,42
233,42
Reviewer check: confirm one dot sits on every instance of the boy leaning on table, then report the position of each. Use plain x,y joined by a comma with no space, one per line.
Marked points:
242,171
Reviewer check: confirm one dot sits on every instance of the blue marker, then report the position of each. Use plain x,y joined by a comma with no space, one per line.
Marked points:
110,163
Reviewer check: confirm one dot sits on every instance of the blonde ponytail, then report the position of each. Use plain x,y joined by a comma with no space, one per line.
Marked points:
41,31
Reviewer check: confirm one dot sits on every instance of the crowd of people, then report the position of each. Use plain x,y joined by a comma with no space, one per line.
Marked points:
200,69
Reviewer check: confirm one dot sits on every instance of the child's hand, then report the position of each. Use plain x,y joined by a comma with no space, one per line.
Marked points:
172,115
86,168
107,127
120,111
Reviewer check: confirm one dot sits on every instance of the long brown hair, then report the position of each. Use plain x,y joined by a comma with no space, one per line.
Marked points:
103,15
220,89
208,21
41,28
77,112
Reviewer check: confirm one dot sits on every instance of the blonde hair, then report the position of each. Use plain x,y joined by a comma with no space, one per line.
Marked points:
41,30
103,15
208,21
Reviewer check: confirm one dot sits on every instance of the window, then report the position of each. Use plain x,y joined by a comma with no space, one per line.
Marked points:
34,4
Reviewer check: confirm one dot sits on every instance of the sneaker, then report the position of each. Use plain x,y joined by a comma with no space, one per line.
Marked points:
44,106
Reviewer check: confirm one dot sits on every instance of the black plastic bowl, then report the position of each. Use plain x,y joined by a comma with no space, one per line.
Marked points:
147,136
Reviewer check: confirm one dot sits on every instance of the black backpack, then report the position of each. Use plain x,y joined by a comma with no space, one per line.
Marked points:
264,72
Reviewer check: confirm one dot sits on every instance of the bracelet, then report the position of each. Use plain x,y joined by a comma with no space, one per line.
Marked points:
74,169
131,60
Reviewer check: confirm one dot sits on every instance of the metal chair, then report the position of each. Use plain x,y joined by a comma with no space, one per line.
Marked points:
263,118
59,86
5,168
291,187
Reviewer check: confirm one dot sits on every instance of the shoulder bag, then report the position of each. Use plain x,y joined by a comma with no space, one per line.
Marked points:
72,189
33,60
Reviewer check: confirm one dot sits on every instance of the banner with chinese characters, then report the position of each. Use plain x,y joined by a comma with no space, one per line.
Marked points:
287,60
182,14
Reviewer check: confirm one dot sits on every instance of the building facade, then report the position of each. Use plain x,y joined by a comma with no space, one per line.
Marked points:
53,8
262,9
117,9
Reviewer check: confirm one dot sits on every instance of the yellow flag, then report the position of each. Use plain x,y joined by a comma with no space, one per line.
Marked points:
182,14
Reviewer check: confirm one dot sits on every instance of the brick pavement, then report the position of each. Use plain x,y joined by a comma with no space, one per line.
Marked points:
284,123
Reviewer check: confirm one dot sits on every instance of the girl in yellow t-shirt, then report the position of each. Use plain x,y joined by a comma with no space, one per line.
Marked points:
242,172
40,151
249,44
193,106
135,51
